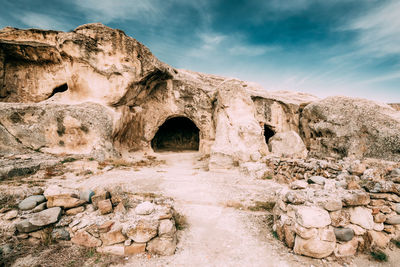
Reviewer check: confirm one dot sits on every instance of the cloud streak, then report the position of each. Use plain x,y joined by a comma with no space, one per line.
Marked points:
379,30
42,21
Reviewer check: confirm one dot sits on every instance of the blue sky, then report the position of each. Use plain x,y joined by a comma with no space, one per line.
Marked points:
323,47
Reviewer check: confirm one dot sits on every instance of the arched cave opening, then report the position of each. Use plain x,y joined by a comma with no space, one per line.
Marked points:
176,134
59,89
268,133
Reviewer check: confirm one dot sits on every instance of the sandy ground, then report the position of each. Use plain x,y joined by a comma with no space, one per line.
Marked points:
217,234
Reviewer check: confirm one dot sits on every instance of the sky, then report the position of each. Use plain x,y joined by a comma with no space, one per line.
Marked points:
322,47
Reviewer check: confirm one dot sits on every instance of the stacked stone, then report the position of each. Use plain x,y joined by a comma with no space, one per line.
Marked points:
294,169
319,217
98,219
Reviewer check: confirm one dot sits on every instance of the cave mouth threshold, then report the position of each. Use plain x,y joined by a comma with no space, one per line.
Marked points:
176,134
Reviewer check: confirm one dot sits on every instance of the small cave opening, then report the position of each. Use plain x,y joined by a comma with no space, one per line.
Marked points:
268,133
176,134
59,89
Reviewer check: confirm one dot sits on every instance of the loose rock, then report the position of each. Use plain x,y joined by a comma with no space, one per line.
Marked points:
344,234
144,208
143,231
83,238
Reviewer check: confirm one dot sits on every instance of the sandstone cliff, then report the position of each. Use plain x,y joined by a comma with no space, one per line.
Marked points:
47,79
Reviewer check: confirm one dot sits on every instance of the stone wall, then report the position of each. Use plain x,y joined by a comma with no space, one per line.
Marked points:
355,207
117,223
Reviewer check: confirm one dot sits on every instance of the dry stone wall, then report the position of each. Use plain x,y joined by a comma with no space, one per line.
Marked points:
116,223
337,208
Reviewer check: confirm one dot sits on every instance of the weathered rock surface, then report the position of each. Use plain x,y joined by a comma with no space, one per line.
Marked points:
143,231
315,247
344,234
362,217
343,126
162,246
39,220
287,144
31,202
57,128
312,216
144,208
134,94
83,238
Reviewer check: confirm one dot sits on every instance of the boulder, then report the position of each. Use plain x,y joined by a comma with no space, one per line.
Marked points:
287,144
343,127
46,217
40,207
362,217
143,230
310,217
382,187
99,195
112,237
313,247
39,220
162,246
166,228
333,205
289,235
83,238
144,208
25,226
75,211
305,233
379,218
104,206
356,198
358,230
344,234
346,249
393,219
65,202
378,239
31,202
60,234
340,218
120,208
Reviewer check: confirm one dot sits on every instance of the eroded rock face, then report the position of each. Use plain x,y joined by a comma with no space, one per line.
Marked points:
136,94
56,128
343,126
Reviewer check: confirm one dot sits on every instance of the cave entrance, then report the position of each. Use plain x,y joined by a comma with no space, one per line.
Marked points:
59,89
268,133
176,134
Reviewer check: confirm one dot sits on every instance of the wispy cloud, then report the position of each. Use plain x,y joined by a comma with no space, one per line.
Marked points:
251,50
120,10
211,40
42,21
379,30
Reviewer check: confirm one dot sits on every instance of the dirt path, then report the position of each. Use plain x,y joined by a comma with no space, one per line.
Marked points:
217,236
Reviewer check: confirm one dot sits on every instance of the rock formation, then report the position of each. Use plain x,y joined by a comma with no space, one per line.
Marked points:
96,91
